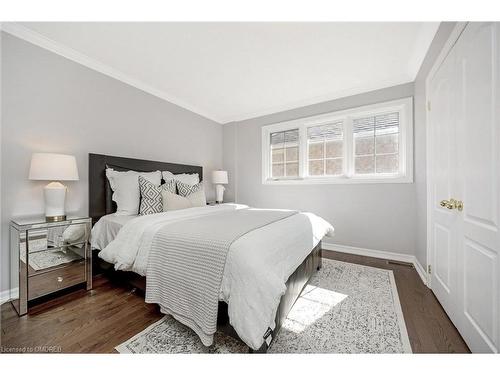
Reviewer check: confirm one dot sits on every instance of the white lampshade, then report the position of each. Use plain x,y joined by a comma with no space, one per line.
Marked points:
219,177
53,167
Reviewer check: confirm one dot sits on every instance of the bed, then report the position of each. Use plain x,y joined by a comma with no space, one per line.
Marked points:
231,318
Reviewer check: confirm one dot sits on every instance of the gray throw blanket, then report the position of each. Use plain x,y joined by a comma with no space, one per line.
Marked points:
186,264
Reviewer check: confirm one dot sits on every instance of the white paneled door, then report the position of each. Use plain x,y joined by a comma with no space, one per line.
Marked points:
442,125
464,182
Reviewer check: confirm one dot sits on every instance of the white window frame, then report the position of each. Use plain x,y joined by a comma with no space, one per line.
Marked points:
403,106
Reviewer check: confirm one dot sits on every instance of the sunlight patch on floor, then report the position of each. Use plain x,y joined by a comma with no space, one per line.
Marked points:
313,303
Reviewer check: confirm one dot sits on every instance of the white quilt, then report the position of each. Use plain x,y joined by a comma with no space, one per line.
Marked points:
257,266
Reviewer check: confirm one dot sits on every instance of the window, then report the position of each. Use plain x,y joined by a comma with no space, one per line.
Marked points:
368,144
285,153
376,141
325,155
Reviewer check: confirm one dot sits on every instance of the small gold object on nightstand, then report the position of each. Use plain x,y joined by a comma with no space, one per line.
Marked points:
47,257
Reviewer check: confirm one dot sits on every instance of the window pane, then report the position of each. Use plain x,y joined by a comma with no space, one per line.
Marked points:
387,124
325,141
387,144
333,131
284,147
364,164
316,168
387,163
364,146
334,167
277,139
316,150
292,153
278,155
364,127
334,149
375,136
278,170
292,136
292,169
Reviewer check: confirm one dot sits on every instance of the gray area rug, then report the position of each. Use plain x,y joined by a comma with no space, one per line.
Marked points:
346,308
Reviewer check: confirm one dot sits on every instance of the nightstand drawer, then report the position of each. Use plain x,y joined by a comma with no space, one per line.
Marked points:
48,282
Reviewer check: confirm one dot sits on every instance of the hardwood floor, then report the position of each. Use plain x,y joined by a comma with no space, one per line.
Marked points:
98,320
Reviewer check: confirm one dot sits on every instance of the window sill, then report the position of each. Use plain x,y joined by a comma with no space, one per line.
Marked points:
341,180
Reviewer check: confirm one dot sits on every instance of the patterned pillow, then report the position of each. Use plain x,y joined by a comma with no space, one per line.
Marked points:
186,189
151,202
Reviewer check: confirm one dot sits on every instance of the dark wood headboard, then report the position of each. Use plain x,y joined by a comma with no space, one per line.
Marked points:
100,202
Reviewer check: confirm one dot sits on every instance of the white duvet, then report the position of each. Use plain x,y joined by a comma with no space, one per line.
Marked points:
257,265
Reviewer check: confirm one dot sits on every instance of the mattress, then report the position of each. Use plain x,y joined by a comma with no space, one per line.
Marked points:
106,229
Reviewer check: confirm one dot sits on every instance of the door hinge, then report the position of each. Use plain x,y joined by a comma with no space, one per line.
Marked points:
429,269
429,105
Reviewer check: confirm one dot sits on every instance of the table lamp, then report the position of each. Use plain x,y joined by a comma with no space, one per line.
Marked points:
55,168
219,178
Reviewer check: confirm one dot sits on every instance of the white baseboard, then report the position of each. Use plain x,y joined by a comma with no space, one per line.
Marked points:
379,254
369,252
421,271
5,296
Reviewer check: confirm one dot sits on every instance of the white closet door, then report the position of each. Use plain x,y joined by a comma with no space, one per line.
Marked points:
478,186
442,124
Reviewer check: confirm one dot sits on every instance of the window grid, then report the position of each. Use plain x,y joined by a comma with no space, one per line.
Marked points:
284,146
324,159
376,129
325,134
390,148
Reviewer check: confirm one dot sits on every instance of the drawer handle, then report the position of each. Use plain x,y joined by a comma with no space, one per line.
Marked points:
59,279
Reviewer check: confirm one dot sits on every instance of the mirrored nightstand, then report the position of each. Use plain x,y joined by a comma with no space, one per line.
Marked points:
47,257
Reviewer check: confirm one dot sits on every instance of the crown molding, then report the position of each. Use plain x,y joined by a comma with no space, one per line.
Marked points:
38,39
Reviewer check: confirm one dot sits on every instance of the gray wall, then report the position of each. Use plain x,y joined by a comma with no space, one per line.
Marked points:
374,216
420,138
51,104
389,217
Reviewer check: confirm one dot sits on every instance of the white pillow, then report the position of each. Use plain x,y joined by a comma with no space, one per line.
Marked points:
173,202
190,179
125,186
167,176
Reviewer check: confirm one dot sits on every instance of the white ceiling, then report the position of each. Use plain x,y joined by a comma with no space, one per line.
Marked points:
234,71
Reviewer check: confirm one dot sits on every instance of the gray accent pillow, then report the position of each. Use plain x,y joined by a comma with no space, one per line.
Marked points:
187,189
151,197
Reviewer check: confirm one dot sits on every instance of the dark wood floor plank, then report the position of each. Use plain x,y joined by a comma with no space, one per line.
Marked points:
96,321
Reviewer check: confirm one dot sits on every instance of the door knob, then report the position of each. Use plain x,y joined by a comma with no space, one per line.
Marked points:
452,204
446,204
459,205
